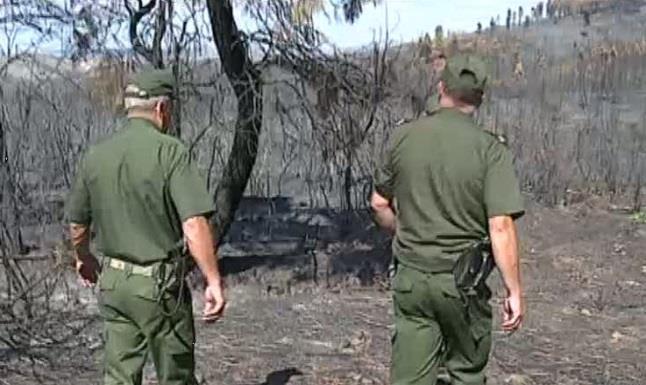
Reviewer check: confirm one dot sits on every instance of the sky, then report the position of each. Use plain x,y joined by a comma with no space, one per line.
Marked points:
405,20
409,19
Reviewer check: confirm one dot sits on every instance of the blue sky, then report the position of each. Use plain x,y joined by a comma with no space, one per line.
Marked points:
409,19
405,20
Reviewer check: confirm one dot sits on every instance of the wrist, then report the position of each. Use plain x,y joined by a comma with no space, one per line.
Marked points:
82,257
514,291
214,280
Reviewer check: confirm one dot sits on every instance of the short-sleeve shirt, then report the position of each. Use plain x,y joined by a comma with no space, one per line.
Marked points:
136,189
445,177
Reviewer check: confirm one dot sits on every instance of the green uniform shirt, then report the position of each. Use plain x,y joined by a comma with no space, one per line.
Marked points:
446,176
137,188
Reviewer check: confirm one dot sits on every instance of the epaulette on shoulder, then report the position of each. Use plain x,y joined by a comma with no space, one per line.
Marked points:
499,137
431,112
403,121
408,120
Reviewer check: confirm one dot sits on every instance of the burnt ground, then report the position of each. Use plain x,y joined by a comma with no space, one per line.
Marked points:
584,270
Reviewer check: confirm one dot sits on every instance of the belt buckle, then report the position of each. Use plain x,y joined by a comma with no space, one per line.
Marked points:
117,264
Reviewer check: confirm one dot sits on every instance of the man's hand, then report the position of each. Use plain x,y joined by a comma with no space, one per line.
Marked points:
214,303
86,265
513,308
383,213
88,268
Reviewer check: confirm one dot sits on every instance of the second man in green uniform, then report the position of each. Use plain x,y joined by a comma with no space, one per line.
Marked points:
445,184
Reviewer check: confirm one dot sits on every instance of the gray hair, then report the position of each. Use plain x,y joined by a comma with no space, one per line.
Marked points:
134,102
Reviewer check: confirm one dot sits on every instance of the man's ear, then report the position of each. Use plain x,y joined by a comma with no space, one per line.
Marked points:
439,64
162,107
159,108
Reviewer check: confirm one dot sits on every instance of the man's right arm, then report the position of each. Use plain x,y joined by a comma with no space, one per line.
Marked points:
194,206
504,204
199,239
504,241
502,231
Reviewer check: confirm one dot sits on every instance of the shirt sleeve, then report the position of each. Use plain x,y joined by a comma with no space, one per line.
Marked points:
384,177
502,194
188,189
78,202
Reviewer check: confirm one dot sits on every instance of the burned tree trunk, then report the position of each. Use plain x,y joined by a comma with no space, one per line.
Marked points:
245,80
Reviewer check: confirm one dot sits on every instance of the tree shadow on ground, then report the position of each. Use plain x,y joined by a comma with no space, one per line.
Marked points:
236,265
281,377
362,267
312,243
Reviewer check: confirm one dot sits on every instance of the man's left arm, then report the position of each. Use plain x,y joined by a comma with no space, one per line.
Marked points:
85,263
382,197
383,212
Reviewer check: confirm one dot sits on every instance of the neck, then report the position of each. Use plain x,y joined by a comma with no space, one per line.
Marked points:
146,116
448,102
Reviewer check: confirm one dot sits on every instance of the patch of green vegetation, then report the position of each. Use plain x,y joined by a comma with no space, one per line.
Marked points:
639,217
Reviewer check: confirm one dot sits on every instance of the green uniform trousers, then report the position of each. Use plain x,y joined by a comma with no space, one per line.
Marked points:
138,323
434,325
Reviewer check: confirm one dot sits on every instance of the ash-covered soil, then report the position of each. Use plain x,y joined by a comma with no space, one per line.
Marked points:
584,269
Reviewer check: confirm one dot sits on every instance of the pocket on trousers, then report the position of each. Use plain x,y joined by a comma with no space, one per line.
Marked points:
144,287
405,297
108,279
447,284
402,282
106,298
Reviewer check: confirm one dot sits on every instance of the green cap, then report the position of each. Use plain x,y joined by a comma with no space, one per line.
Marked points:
466,73
151,83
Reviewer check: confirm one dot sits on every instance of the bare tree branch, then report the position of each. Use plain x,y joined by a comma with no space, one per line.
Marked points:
160,30
135,18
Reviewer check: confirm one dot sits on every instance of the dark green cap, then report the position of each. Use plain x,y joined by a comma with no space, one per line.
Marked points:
151,83
465,73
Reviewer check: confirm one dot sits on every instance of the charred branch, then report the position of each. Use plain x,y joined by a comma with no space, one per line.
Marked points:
151,54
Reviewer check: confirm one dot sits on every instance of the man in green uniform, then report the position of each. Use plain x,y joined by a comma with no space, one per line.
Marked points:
446,184
146,202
